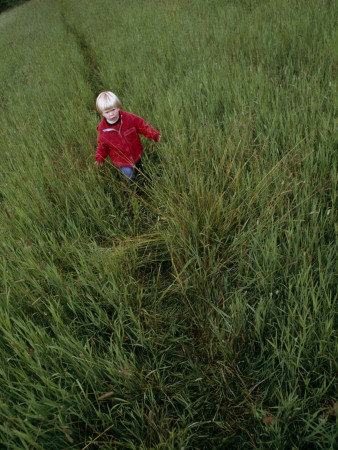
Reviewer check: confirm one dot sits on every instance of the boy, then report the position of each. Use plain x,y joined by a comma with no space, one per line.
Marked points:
119,135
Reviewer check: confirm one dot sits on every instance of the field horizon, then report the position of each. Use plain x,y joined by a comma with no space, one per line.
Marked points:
198,310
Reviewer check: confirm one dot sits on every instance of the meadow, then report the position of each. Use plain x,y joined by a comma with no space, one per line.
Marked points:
198,311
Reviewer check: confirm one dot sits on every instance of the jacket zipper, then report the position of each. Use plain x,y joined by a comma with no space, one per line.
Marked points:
122,137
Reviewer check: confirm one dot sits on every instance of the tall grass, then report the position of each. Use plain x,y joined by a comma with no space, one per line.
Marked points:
198,311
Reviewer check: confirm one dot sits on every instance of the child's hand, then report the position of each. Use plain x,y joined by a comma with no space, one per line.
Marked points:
158,138
98,163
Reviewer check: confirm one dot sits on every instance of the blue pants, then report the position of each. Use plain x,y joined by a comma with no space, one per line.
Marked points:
130,172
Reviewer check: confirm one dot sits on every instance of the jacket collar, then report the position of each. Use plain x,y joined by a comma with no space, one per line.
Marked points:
103,124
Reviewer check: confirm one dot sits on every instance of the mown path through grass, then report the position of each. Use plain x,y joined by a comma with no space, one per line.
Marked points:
92,67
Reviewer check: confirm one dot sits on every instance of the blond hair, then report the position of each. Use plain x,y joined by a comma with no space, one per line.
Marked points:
106,101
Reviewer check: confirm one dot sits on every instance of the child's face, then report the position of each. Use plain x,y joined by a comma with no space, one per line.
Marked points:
111,114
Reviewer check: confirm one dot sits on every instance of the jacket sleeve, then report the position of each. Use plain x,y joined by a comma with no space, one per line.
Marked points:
143,128
102,150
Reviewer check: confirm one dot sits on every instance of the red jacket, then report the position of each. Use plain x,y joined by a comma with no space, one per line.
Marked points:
121,141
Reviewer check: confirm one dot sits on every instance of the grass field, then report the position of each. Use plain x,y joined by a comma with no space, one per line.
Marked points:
200,310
